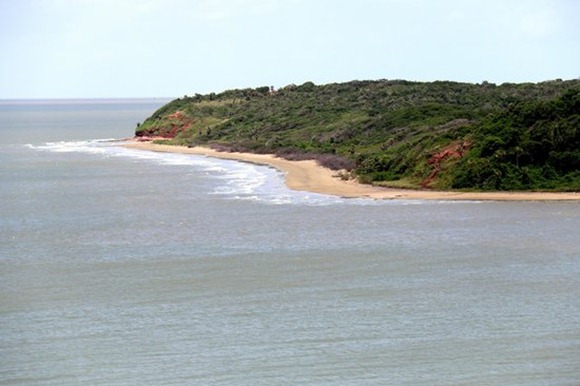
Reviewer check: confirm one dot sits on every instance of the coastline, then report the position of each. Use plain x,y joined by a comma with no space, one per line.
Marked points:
311,177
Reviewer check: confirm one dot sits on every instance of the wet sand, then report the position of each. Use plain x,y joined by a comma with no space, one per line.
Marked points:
311,177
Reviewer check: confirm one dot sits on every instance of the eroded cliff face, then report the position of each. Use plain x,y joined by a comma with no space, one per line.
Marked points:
169,126
455,150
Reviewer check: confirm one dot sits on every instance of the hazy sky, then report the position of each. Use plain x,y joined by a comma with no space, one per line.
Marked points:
168,48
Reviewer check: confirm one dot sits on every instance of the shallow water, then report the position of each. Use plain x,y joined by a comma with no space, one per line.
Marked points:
126,267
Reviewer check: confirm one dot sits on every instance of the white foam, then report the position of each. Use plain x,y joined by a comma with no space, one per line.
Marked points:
237,180
72,146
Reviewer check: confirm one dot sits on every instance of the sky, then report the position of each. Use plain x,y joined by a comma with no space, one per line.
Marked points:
171,48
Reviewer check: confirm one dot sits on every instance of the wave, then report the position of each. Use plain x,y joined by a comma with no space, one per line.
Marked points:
90,147
236,180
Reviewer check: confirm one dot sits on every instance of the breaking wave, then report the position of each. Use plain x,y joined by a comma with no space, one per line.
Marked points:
236,180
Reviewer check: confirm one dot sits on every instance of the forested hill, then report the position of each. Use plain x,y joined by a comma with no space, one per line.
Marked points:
438,135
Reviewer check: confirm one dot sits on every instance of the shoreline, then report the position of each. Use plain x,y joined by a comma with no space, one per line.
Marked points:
311,177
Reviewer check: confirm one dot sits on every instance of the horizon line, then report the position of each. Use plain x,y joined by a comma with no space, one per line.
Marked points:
16,101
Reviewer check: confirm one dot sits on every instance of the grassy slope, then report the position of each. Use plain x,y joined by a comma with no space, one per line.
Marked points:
442,135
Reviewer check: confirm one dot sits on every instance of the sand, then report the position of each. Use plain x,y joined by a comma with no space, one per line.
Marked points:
311,177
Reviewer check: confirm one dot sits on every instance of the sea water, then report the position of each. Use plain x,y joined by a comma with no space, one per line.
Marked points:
127,267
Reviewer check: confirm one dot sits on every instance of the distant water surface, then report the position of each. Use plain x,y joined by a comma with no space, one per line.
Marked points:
124,267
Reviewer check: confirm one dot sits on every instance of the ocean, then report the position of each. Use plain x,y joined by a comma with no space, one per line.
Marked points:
127,267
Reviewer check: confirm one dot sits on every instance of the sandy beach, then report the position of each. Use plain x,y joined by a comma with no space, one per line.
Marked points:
311,177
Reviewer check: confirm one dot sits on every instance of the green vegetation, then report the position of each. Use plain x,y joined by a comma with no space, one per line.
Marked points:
442,135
